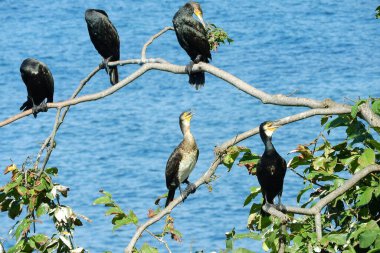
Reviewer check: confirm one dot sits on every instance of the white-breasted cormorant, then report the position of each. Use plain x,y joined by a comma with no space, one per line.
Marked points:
105,38
192,36
39,84
271,168
183,159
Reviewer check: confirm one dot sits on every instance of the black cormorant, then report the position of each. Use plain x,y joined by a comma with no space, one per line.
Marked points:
39,84
105,38
192,36
272,167
183,159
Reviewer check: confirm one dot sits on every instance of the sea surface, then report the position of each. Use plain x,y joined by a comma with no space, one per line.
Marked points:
315,49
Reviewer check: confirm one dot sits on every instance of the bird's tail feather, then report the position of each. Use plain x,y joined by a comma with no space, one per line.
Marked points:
197,79
170,197
114,75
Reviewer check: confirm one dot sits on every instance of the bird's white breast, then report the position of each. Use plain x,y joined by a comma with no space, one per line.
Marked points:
186,166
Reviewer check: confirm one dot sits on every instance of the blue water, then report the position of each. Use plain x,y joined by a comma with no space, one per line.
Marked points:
317,49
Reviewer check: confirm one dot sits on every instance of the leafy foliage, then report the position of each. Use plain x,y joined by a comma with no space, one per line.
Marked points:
350,222
377,15
216,36
121,218
33,193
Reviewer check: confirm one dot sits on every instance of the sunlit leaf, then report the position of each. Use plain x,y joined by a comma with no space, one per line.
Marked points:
102,200
355,108
367,158
242,250
376,106
145,248
367,238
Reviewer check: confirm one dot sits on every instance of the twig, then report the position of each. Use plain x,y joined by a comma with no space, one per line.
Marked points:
160,239
304,178
56,126
51,143
143,51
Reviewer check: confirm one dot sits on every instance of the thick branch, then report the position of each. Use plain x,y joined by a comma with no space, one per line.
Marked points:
346,186
368,115
176,69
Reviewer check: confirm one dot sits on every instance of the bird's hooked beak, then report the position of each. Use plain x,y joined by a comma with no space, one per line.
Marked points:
273,127
188,115
198,13
270,127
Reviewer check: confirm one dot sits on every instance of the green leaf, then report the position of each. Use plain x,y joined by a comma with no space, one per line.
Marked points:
367,238
365,198
310,186
376,106
52,171
40,238
145,248
339,239
23,227
10,186
114,210
133,217
324,119
355,108
374,144
367,158
377,250
254,192
242,250
341,120
119,222
251,235
42,209
21,190
14,210
102,200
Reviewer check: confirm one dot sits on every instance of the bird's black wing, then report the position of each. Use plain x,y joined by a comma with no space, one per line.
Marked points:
195,36
172,167
104,36
48,82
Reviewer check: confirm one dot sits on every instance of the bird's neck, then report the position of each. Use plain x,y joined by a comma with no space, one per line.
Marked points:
269,148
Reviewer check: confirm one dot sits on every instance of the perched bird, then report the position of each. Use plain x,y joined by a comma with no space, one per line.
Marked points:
105,38
39,84
183,159
271,168
192,36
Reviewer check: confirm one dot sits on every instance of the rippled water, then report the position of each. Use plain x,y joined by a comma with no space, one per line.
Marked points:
316,49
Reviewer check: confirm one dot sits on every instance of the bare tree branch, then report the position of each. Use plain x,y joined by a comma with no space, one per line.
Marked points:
368,115
150,41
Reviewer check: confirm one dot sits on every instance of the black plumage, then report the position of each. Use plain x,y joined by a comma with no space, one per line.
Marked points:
192,36
105,38
271,169
39,84
183,159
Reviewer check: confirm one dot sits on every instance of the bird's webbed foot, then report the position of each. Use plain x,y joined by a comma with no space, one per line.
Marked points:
281,207
183,194
191,188
189,68
198,59
39,108
104,64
